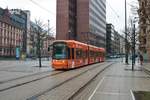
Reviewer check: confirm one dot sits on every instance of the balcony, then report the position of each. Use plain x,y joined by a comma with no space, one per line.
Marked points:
142,46
143,26
142,38
142,34
147,8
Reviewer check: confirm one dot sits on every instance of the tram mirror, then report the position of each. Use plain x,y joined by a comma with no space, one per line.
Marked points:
50,48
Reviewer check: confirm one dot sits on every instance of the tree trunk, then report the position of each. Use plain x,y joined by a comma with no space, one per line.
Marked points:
39,50
40,64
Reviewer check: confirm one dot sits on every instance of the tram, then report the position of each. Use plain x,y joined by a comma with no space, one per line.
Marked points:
69,54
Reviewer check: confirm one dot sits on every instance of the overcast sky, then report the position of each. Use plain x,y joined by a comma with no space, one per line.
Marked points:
47,10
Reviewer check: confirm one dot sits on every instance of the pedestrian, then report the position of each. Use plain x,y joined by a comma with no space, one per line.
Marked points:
141,59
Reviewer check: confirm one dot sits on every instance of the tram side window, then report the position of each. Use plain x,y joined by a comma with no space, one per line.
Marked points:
95,54
103,54
84,54
100,54
78,53
91,53
69,56
87,53
72,53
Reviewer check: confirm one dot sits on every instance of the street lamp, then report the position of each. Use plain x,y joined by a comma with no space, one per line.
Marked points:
126,42
48,27
69,33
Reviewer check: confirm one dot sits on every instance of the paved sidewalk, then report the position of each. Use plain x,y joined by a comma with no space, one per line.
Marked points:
14,69
119,81
6,65
146,67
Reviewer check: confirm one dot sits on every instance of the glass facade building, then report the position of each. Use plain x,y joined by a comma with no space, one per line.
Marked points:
82,20
113,41
97,21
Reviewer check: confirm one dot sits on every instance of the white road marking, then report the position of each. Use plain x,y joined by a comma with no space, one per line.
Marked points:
133,98
111,93
96,88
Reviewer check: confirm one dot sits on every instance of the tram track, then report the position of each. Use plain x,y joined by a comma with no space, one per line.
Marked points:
17,78
29,81
36,96
89,82
39,86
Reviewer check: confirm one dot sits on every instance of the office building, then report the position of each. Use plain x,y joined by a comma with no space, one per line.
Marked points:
82,20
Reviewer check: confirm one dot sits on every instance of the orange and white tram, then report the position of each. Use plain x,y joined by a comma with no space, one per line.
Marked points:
68,54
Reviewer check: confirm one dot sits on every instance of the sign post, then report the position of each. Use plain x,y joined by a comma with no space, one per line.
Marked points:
17,52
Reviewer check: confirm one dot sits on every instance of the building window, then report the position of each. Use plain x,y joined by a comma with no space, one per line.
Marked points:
0,50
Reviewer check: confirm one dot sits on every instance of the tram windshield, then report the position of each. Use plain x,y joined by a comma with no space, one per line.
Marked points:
59,51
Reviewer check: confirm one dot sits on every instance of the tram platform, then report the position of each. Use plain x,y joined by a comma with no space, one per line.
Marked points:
146,67
121,83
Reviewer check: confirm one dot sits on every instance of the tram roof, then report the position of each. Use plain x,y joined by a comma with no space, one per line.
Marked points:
80,43
72,41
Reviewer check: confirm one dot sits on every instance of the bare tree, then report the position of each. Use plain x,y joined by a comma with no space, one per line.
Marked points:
129,32
134,8
41,35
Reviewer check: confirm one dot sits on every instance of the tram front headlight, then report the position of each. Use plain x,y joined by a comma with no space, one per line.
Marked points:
63,61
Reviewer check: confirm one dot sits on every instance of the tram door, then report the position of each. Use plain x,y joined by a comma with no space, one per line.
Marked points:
72,58
71,63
